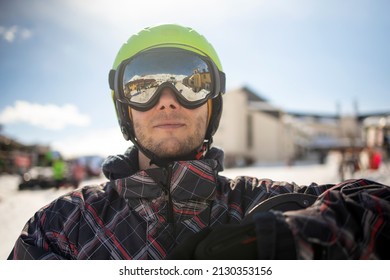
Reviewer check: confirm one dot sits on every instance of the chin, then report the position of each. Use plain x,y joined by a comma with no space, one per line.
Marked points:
174,148
176,151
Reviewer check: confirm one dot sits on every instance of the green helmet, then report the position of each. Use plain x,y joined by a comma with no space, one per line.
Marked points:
165,36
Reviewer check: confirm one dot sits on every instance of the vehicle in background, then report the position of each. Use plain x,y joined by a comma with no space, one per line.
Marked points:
53,171
37,177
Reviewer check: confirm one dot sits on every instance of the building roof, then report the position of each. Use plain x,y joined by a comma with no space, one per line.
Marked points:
252,96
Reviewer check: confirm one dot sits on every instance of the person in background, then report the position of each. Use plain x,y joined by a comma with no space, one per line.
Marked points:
375,159
164,197
78,172
59,172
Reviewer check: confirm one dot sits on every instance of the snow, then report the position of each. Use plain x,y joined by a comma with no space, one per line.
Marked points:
16,207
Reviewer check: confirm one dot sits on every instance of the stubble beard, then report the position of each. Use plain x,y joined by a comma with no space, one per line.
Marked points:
172,147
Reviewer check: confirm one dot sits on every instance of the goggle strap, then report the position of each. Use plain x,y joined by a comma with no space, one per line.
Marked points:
222,78
111,79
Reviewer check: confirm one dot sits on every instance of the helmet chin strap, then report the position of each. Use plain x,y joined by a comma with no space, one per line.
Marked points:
165,161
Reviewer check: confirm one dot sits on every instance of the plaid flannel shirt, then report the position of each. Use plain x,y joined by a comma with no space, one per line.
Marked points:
144,214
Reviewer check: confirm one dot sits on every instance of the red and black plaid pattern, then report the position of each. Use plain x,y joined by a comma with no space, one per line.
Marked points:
146,214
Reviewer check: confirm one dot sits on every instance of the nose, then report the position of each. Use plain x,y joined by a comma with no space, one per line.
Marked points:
167,99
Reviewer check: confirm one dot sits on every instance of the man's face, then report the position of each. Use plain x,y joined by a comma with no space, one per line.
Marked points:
169,129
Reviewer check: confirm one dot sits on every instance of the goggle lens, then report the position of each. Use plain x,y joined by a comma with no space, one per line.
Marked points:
145,74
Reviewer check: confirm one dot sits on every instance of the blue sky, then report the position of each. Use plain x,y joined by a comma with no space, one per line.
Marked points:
301,55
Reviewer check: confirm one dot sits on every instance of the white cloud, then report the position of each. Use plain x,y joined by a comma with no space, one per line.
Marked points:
101,142
25,34
14,32
48,116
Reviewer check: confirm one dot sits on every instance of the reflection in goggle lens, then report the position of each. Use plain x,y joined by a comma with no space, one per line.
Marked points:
187,72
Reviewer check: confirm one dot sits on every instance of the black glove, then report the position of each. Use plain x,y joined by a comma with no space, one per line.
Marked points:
185,251
264,236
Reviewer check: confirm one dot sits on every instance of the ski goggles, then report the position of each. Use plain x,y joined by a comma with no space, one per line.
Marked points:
139,80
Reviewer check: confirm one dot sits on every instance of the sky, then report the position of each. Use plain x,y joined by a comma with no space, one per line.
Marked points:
315,56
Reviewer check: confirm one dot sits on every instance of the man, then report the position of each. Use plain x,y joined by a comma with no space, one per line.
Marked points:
165,199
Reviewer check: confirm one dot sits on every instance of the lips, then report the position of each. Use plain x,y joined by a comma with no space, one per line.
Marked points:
169,125
171,121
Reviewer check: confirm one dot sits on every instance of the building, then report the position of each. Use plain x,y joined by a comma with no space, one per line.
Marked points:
254,131
16,157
